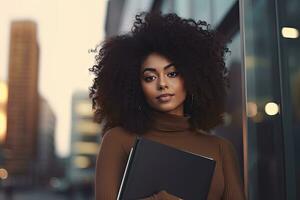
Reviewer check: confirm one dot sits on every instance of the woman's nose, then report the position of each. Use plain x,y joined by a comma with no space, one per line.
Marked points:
162,84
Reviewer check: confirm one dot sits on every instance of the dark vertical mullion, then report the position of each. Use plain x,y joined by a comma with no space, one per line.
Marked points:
156,6
287,137
244,95
229,26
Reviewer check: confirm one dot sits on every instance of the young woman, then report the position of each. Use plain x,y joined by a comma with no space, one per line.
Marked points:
166,81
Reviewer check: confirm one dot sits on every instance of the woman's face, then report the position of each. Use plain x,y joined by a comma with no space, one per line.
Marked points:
162,85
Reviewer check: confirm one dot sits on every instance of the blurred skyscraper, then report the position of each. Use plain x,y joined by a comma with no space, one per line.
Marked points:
22,105
85,139
46,160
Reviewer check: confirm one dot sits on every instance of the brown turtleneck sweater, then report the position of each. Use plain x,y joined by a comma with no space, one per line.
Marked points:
174,131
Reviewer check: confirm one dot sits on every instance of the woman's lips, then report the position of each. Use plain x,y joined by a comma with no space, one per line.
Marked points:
165,97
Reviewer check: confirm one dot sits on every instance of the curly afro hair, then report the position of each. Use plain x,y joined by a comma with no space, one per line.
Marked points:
197,52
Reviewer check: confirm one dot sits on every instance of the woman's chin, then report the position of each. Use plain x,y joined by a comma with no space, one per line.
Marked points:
168,109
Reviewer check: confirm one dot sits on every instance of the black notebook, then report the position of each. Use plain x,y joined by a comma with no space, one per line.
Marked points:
152,167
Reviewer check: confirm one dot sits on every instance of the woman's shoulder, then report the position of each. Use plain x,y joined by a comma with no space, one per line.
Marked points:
215,139
119,136
117,133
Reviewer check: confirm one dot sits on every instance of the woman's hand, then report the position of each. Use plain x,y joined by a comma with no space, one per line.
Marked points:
162,195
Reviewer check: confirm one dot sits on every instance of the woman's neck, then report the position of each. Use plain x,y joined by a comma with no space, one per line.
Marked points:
177,111
169,122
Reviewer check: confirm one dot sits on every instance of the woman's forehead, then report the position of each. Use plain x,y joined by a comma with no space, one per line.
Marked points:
155,69
156,62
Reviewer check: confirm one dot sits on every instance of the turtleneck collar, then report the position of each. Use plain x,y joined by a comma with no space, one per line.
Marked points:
169,122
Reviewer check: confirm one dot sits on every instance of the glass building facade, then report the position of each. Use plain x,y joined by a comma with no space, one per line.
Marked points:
271,63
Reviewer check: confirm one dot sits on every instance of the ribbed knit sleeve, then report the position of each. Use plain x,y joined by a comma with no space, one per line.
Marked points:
109,166
233,185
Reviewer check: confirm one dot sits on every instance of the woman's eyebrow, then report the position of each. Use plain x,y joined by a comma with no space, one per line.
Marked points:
153,70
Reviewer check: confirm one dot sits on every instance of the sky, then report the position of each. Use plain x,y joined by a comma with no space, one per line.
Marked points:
67,30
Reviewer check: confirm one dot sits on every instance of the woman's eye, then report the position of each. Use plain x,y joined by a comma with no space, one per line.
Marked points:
173,74
149,78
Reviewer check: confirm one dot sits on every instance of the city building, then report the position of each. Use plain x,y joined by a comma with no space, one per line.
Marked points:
22,104
85,140
46,159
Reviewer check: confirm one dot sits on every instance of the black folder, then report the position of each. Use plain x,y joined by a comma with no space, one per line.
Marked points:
152,167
